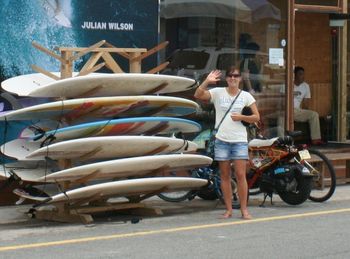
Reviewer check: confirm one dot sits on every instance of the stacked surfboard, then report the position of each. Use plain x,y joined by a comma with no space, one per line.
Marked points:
111,132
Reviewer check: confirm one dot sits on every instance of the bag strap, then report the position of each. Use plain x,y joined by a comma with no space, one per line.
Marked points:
217,128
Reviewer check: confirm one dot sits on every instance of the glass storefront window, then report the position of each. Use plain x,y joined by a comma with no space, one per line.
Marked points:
250,34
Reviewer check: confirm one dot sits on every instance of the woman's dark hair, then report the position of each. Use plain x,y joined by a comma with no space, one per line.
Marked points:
232,69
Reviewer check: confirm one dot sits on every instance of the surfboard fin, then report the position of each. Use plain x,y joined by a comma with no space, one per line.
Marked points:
155,110
156,129
81,111
157,89
89,154
87,178
193,85
157,150
130,108
159,171
90,92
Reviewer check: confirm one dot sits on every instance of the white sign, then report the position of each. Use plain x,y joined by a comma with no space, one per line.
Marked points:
283,43
276,56
112,26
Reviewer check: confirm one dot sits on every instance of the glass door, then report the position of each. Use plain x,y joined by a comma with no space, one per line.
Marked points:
318,43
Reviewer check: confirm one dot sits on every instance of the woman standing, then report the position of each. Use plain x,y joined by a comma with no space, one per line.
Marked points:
231,142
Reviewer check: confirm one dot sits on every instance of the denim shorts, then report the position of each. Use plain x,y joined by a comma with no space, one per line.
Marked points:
225,151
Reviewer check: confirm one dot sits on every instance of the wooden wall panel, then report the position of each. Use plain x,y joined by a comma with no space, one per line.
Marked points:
321,94
313,52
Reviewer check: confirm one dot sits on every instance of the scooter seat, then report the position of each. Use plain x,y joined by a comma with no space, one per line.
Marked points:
262,142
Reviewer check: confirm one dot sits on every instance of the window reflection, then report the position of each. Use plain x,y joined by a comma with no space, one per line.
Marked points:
207,35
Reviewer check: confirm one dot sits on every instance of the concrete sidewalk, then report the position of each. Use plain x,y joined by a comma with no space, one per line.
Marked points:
16,214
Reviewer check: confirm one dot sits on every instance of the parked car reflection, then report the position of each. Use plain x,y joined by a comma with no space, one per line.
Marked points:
198,62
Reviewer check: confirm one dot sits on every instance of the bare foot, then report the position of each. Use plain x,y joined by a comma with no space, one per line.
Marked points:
246,215
226,215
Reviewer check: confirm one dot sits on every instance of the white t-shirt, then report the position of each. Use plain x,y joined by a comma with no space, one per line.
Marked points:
230,131
300,92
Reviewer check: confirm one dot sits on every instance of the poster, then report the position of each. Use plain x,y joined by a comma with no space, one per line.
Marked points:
68,23
72,23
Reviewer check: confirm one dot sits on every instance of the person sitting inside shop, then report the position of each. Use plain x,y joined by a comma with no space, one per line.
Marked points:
250,68
302,96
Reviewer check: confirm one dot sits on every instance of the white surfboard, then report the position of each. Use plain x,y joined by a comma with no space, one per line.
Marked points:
129,167
130,126
28,171
87,109
18,84
97,84
123,188
25,174
97,148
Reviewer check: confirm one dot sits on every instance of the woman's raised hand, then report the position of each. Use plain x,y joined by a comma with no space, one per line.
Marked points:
213,76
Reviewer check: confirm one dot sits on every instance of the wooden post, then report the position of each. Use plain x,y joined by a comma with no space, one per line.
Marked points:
45,72
151,51
111,64
91,62
65,163
135,64
67,66
289,122
342,93
158,68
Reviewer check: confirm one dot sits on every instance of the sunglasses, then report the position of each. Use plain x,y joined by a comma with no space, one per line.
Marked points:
234,75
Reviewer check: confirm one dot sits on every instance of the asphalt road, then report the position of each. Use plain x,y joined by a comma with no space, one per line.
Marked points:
189,230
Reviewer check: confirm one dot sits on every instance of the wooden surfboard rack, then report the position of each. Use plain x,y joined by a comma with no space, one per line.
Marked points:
80,213
101,50
100,56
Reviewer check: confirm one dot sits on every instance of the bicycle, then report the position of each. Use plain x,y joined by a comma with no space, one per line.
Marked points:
324,183
322,186
210,192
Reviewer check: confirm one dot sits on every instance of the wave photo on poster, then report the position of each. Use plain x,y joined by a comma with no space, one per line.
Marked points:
71,23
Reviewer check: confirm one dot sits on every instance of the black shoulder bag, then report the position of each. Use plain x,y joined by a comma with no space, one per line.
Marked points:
211,141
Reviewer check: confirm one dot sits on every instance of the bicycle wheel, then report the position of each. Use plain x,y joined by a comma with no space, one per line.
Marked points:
323,185
180,195
208,193
213,191
209,173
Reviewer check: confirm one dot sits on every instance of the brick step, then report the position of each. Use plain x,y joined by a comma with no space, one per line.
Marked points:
340,171
340,159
